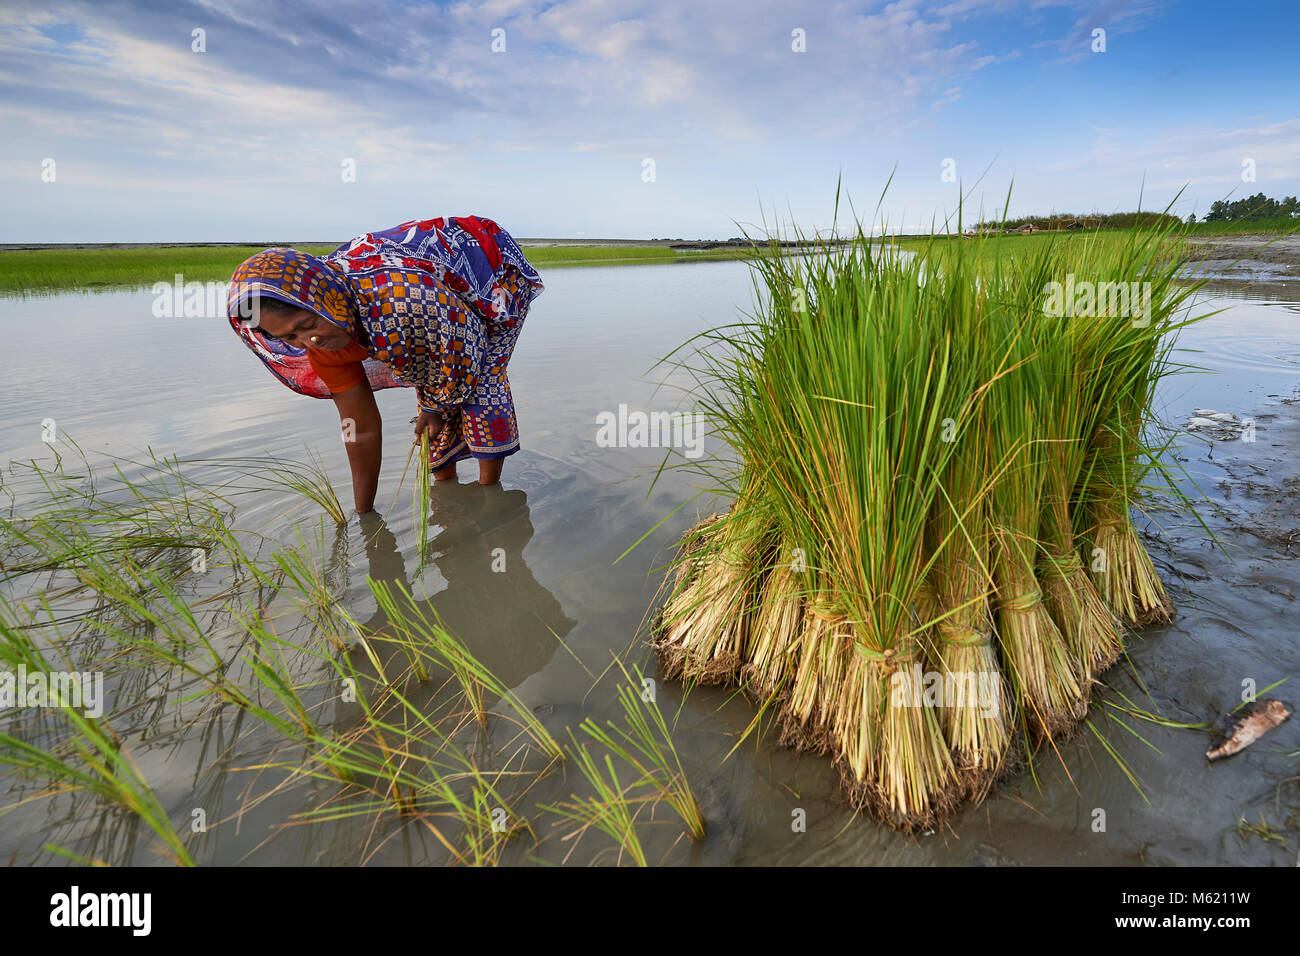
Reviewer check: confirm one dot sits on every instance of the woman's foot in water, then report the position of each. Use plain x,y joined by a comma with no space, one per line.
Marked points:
489,470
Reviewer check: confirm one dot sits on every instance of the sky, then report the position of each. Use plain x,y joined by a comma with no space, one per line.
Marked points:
234,120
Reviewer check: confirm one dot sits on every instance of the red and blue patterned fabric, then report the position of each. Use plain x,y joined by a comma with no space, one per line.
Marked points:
438,303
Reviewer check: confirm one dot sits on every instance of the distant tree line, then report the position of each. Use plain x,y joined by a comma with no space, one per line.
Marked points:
1248,208
1257,206
1114,220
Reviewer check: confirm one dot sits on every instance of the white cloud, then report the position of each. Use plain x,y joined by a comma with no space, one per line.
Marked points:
951,95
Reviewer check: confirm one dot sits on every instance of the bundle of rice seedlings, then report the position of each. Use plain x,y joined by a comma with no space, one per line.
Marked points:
693,551
778,619
1090,629
1067,354
976,708
1127,578
819,651
977,723
1119,458
1036,656
705,625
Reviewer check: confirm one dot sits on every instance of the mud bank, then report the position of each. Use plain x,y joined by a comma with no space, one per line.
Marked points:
1252,258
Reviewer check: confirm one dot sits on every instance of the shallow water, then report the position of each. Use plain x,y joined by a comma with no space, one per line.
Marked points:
117,380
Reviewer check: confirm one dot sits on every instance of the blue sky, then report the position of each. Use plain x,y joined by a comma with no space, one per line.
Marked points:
247,140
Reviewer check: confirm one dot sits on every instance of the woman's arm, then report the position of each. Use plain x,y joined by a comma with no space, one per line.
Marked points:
363,439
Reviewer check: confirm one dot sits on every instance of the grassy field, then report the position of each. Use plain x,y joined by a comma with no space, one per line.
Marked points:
994,244
1243,227
1016,246
67,270
70,270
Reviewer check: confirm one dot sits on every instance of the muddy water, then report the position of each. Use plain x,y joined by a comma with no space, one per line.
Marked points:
116,380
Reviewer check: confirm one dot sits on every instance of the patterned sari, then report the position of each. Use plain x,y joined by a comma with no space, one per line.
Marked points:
439,305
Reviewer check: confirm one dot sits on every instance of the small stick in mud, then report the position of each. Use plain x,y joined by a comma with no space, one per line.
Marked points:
1233,733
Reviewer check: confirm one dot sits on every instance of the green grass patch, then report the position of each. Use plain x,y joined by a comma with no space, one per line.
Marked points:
67,270
622,255
995,240
41,271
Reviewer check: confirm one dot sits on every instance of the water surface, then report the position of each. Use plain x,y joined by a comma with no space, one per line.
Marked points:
118,380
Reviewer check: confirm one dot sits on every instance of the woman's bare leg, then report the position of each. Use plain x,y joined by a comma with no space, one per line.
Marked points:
489,470
447,473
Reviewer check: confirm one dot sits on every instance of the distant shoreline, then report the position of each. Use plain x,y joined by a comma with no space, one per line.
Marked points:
43,268
1197,234
536,243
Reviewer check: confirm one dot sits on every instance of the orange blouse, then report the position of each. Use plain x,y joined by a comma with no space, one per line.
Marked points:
340,369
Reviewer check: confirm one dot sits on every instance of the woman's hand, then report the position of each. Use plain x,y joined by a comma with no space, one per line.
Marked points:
431,421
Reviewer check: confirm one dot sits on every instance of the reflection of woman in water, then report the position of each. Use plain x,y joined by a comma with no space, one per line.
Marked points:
505,617
437,304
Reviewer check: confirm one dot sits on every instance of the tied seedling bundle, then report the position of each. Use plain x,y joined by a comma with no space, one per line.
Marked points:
929,457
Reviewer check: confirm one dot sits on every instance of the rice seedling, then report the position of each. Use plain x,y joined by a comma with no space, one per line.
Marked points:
401,757
313,592
419,629
269,668
142,609
394,728
398,760
1263,830
397,757
493,821
1033,650
1066,351
618,802
312,482
609,810
647,745
778,616
487,825
143,616
148,615
235,477
421,503
977,723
